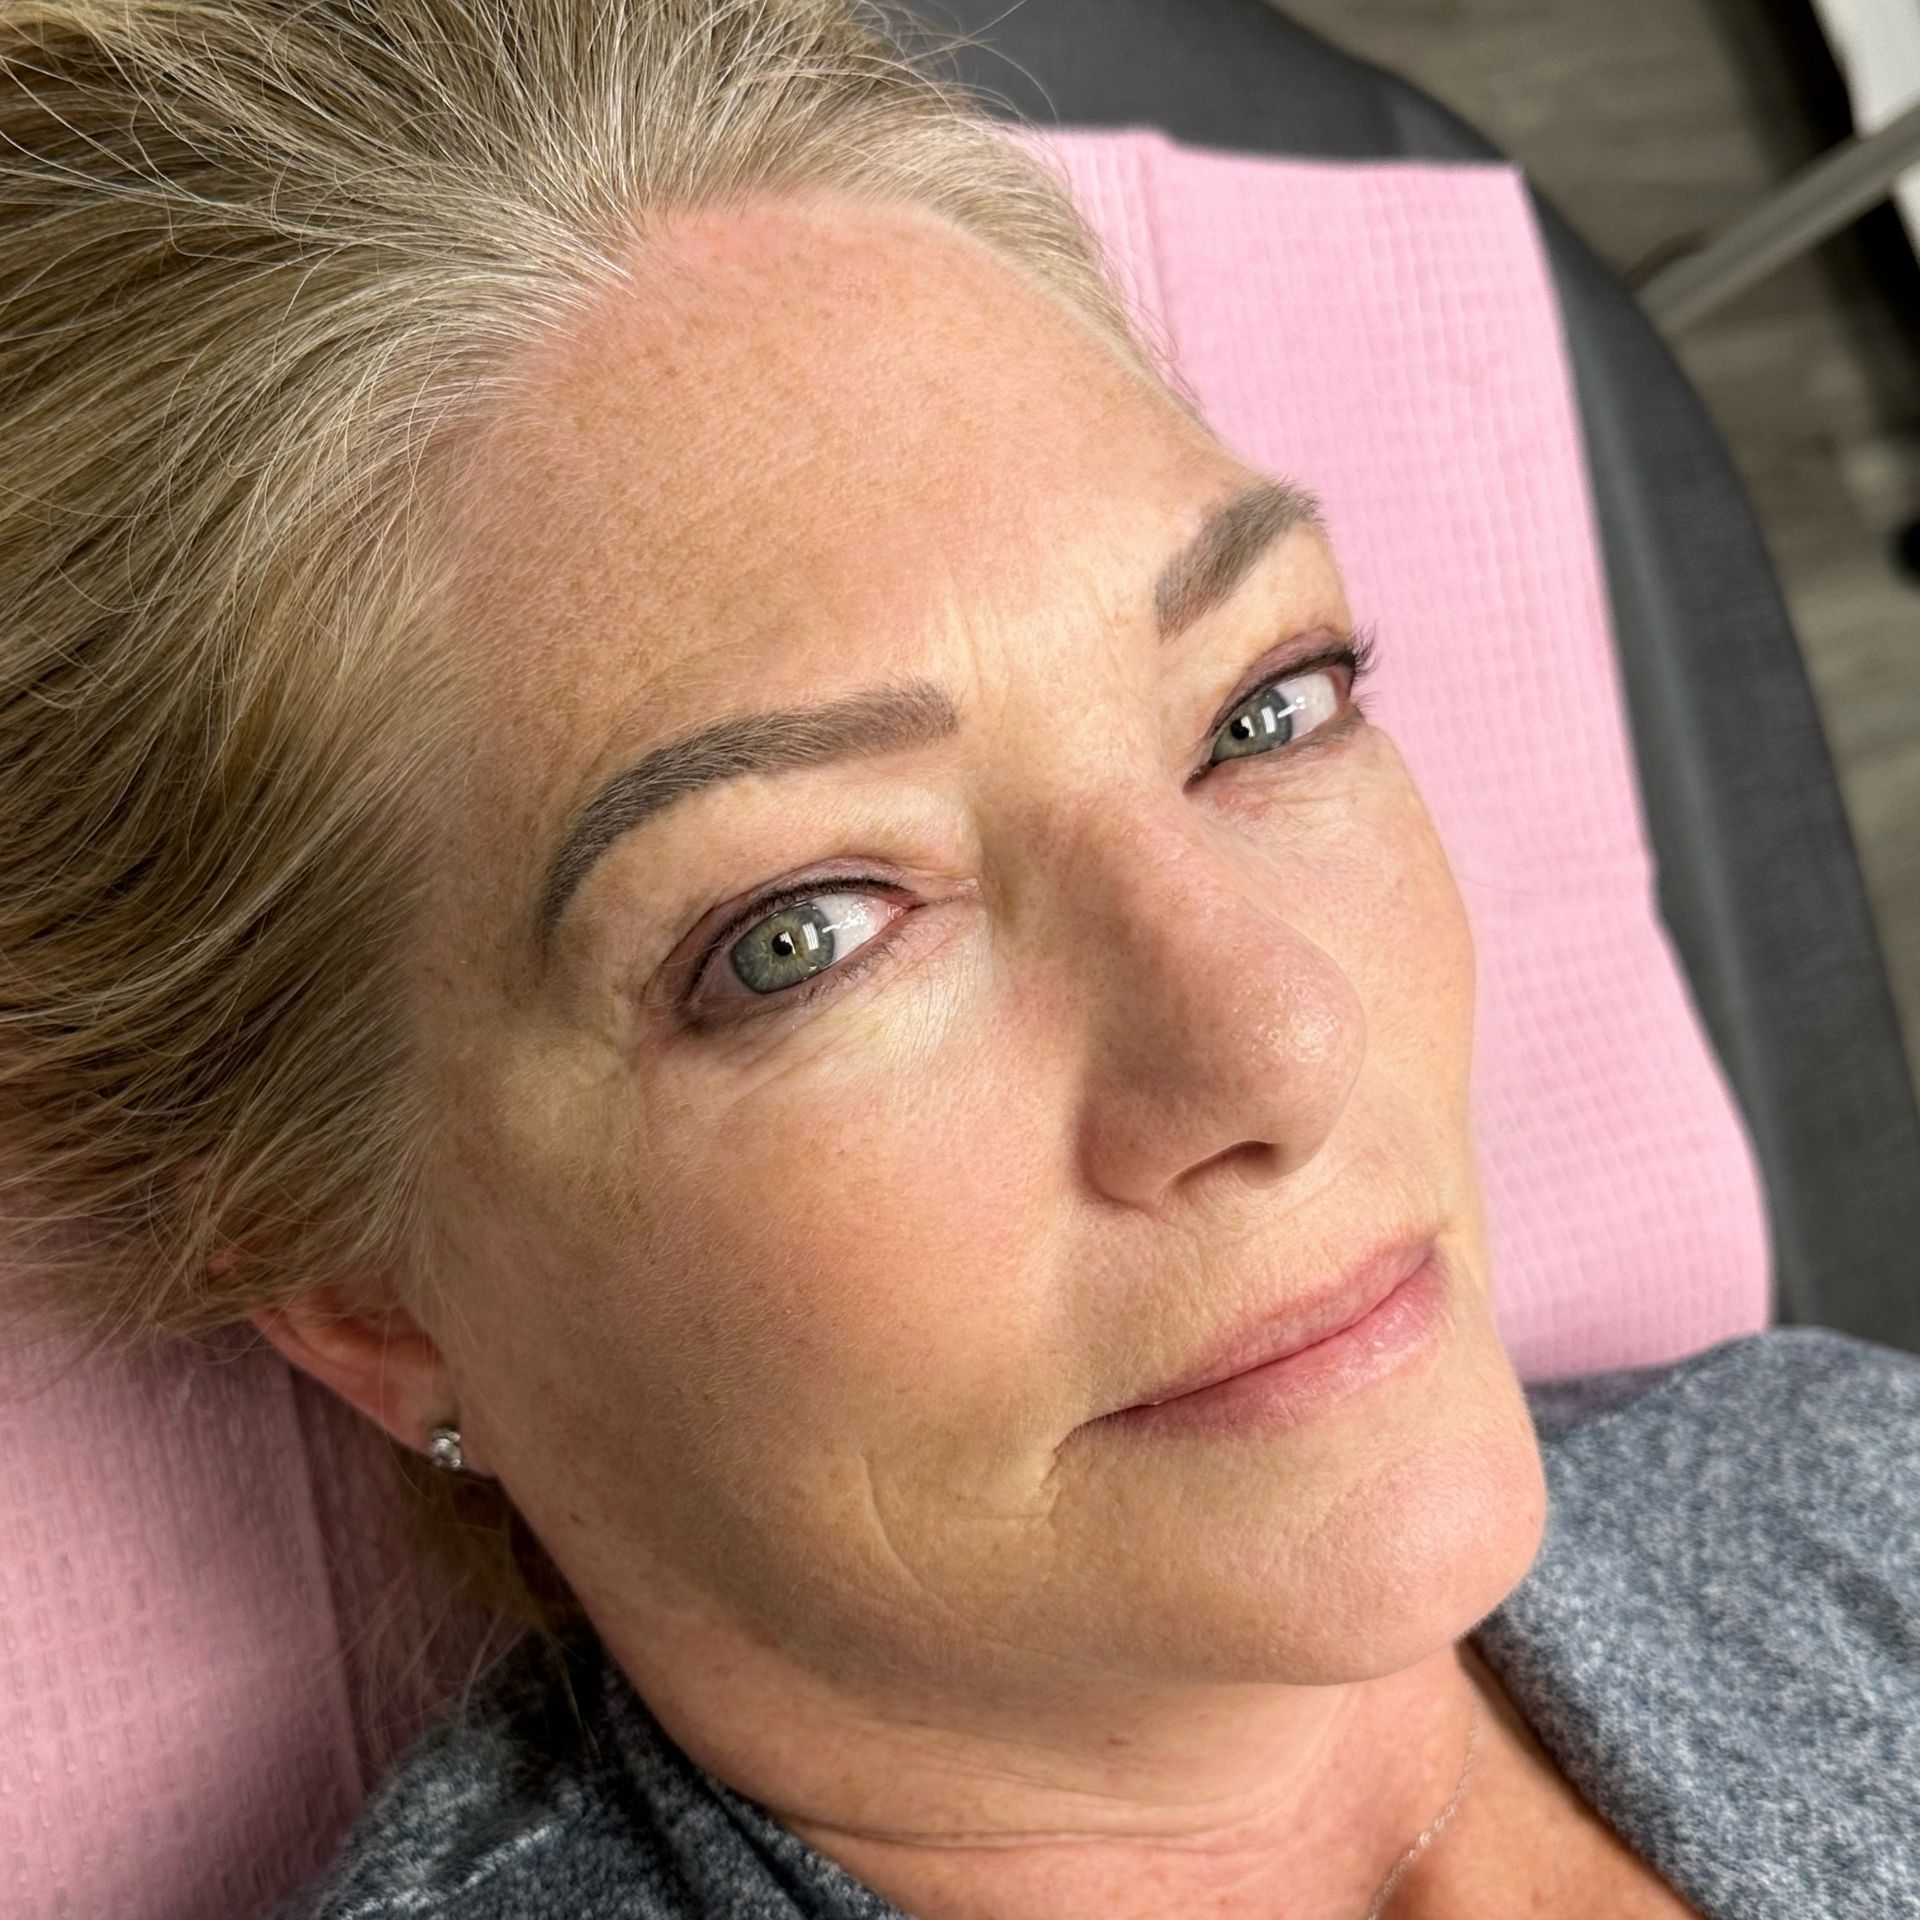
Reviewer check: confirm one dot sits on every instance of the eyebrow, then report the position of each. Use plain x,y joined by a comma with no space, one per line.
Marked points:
885,719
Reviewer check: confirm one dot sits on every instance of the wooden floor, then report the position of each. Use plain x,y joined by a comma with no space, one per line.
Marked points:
1648,121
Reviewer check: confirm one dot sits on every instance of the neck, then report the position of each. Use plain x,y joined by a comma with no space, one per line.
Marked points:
1244,1804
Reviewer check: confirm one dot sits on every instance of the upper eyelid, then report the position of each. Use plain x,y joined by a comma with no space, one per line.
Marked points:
1304,671
1352,651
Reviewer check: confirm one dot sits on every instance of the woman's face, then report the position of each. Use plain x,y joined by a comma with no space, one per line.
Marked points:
786,1298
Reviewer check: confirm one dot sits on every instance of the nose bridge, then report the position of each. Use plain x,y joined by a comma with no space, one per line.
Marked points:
1214,1019
1194,920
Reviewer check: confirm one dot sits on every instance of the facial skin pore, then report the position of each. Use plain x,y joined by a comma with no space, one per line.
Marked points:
791,1335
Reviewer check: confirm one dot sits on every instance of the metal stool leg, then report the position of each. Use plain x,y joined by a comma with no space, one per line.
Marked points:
1818,201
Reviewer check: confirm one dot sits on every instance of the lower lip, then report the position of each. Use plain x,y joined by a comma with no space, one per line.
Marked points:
1404,1330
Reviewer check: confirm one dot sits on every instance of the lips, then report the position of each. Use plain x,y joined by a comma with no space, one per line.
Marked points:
1301,1323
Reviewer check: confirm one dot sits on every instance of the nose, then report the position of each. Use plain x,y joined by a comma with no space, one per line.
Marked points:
1217,1028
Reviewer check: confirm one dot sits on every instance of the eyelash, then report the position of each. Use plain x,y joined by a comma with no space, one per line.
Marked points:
1356,653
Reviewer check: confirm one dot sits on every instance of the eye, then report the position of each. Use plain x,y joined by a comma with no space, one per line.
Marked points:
816,928
1278,713
791,946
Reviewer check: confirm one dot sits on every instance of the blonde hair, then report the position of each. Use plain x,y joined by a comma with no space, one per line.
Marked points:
260,261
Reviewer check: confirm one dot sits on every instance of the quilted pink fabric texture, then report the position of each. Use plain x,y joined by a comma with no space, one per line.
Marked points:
210,1635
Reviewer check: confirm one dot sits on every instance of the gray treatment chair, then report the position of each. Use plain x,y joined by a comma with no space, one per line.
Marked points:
1759,884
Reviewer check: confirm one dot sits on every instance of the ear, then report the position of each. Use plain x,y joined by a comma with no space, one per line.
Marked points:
380,1360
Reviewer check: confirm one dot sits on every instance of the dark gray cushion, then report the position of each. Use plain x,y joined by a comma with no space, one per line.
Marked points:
1759,884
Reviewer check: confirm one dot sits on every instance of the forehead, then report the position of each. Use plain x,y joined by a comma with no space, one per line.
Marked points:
806,434
806,399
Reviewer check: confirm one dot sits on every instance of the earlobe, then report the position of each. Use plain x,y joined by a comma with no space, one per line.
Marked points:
379,1360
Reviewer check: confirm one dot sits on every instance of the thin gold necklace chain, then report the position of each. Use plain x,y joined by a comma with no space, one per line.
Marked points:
1426,1837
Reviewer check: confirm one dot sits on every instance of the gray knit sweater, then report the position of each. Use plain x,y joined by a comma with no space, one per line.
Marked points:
1719,1644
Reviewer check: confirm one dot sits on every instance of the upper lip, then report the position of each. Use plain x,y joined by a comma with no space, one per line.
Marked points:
1301,1323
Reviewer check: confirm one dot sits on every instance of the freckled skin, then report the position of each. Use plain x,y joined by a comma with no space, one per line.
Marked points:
789,1339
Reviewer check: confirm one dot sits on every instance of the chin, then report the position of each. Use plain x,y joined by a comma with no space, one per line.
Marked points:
1237,1568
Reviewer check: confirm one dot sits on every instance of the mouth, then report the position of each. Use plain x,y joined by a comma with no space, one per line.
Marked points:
1300,1324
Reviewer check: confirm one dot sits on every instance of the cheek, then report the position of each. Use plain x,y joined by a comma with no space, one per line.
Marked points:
1406,943
1359,869
872,1222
